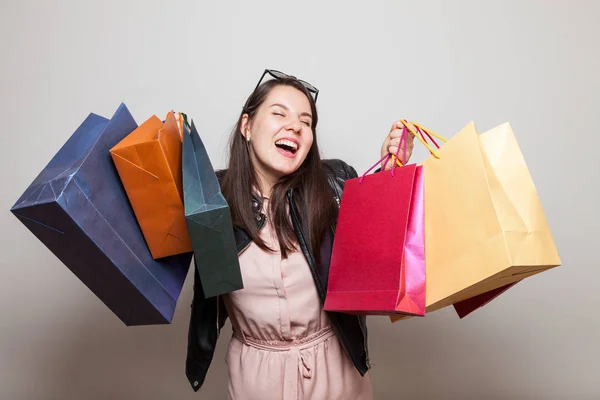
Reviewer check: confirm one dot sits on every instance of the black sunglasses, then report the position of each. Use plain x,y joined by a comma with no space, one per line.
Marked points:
280,75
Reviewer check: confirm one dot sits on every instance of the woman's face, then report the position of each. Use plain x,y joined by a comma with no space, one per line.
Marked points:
280,134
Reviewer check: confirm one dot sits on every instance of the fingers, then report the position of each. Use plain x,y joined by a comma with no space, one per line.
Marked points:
396,142
398,132
394,149
395,133
396,125
392,142
410,142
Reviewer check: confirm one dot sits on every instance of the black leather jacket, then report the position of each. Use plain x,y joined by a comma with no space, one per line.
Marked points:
209,315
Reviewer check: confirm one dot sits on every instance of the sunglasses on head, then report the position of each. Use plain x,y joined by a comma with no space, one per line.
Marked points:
280,75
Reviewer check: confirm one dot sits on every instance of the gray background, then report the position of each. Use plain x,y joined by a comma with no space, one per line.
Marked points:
442,63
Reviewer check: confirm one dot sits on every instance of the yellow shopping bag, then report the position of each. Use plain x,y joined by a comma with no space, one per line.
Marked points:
484,223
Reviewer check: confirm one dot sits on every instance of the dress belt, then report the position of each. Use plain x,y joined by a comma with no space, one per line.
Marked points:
296,366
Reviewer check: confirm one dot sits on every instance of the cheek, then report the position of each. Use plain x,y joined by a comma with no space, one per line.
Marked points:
309,142
271,126
261,138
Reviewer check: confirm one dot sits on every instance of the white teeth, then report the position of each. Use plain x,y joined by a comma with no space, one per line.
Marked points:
287,143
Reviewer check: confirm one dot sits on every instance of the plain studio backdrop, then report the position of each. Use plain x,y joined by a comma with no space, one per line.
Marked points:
442,63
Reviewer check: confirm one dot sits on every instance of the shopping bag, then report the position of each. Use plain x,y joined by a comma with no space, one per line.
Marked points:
468,306
378,260
484,223
208,219
149,164
78,208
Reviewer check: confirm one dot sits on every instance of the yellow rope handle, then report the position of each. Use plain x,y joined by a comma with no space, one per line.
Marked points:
432,133
418,136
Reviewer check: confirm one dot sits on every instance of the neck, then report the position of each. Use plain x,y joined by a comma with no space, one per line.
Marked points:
265,184
266,181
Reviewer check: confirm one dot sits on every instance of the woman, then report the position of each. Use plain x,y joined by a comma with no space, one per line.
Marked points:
284,202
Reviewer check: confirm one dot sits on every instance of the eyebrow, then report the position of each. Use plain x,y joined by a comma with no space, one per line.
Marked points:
304,114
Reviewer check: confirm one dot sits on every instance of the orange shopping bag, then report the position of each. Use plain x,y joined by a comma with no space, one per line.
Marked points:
149,164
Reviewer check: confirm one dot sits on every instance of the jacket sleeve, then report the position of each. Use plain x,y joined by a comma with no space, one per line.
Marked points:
202,334
338,172
350,171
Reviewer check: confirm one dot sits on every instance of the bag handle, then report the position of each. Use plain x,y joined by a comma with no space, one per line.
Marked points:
388,155
183,119
420,134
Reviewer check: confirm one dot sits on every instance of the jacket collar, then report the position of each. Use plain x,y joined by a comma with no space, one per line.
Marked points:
256,203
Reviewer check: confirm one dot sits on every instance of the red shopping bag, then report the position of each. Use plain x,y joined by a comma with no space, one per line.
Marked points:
466,307
378,259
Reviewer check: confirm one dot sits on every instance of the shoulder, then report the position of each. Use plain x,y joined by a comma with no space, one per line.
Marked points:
338,172
339,169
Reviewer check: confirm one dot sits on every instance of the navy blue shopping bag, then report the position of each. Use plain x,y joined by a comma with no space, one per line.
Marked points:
78,208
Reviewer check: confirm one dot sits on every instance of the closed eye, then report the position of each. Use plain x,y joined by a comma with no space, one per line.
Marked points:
306,123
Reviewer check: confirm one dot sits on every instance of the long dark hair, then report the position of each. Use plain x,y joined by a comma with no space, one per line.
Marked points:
312,193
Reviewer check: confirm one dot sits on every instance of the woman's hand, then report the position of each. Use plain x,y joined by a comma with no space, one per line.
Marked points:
392,141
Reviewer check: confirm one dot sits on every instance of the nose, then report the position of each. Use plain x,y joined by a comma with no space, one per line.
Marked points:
295,125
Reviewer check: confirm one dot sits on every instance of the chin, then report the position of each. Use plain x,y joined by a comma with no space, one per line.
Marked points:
281,172
284,170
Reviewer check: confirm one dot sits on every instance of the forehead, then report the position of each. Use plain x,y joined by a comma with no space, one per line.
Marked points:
290,97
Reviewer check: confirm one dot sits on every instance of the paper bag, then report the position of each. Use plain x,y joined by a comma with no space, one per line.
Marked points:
149,165
468,306
484,223
78,208
378,258
208,220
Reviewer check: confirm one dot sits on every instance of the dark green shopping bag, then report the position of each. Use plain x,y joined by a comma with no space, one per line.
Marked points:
208,219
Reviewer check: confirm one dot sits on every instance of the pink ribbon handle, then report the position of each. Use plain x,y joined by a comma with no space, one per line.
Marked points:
388,155
386,158
403,138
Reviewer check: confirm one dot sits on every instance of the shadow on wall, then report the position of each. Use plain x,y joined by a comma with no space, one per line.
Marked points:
443,357
99,357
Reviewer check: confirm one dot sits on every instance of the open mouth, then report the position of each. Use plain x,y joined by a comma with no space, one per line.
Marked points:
287,146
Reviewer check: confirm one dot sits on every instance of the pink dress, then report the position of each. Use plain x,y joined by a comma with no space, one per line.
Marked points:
283,346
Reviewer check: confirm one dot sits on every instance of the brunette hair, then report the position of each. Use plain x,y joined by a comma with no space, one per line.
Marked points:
312,194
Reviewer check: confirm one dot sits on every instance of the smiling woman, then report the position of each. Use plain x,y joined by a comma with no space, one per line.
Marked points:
279,116
284,204
284,124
